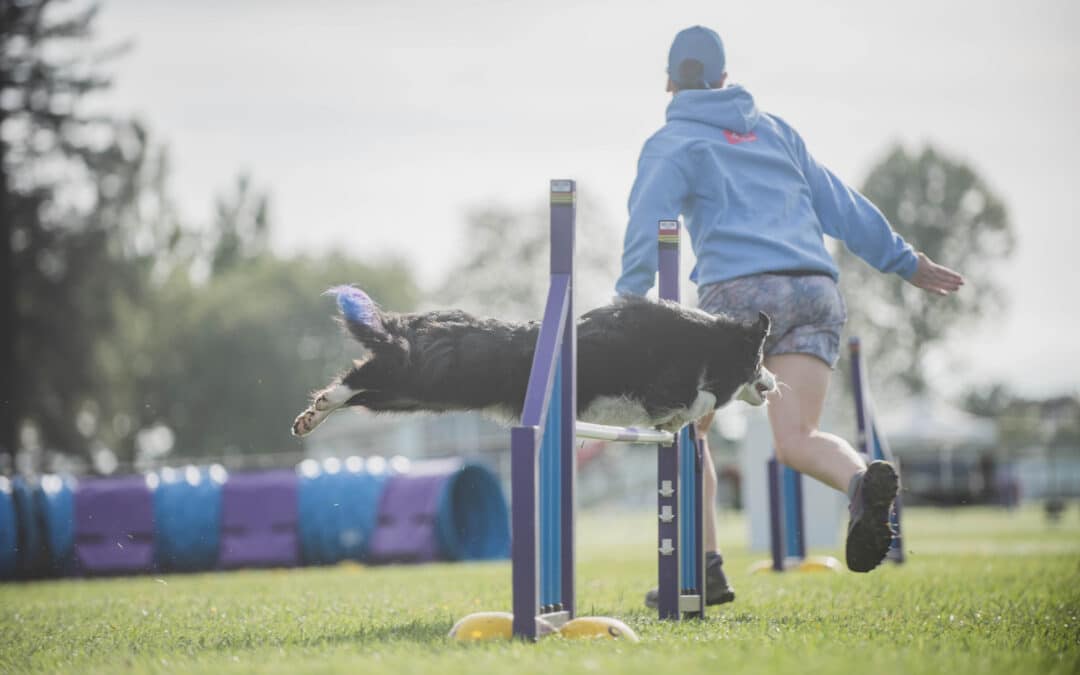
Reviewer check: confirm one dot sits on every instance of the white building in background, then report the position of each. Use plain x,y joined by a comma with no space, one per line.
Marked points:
950,456
946,453
824,509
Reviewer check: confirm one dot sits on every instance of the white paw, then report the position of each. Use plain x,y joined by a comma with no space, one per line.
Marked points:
306,421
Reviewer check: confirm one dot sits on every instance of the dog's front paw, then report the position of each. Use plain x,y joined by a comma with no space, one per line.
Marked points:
305,422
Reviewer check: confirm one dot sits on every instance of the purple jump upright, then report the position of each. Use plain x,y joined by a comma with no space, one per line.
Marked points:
679,483
259,520
114,526
542,512
787,527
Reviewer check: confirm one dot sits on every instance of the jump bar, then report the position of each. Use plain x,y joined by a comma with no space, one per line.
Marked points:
602,432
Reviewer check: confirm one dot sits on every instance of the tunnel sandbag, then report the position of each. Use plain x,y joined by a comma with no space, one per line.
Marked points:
9,541
187,517
33,556
338,505
441,510
473,520
114,526
56,502
259,520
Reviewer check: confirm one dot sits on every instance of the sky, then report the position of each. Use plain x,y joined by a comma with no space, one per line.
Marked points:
377,125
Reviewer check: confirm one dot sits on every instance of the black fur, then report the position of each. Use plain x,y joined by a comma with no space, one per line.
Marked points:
656,353
661,353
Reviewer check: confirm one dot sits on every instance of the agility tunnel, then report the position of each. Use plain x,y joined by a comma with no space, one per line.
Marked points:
379,512
9,542
114,526
445,510
202,518
56,503
33,557
338,503
187,517
259,520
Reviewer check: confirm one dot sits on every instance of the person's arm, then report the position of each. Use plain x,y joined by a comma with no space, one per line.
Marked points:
658,194
850,217
847,215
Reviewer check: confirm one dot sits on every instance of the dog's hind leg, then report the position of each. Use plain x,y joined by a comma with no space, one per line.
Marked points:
323,403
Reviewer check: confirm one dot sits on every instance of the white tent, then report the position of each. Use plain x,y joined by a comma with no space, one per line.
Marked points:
934,424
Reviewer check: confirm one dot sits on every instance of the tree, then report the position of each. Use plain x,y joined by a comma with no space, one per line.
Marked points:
76,228
230,362
241,227
118,320
945,209
505,272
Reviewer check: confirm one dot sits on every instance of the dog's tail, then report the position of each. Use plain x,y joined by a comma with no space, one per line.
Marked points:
361,315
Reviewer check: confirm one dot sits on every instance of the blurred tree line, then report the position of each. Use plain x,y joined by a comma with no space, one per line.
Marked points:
506,270
941,206
1051,423
121,326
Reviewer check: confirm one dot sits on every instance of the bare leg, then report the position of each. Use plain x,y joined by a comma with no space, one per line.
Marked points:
795,411
709,481
718,590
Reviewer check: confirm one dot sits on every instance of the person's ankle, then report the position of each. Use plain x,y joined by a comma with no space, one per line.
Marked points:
853,484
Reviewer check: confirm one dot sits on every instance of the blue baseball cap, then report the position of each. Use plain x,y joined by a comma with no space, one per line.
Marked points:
696,59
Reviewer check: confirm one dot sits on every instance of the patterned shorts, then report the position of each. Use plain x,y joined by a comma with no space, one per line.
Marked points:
807,312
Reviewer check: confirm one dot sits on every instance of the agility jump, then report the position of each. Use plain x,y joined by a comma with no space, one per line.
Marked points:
543,475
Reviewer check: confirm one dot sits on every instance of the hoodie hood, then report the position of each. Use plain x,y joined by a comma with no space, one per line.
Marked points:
728,108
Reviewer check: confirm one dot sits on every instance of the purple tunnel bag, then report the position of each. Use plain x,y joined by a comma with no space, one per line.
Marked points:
114,526
259,520
406,526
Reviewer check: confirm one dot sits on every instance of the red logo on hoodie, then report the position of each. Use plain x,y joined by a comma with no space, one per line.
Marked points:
735,137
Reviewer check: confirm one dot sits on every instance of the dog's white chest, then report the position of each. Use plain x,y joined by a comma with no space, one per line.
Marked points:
617,411
621,411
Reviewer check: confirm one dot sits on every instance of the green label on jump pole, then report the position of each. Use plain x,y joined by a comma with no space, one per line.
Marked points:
562,192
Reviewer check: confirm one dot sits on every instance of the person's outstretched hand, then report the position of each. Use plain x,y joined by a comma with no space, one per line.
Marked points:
935,278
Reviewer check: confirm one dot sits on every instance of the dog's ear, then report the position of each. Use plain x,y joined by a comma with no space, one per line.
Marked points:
764,323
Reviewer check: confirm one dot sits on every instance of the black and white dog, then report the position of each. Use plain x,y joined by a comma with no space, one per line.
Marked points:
640,363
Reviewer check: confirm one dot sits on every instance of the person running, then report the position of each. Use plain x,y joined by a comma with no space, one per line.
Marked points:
756,206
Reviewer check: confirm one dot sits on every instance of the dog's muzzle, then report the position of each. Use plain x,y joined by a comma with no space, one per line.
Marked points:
756,392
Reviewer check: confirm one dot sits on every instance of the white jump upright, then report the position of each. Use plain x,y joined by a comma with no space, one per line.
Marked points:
543,472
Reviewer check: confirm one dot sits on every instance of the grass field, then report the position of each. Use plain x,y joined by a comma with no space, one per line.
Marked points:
983,592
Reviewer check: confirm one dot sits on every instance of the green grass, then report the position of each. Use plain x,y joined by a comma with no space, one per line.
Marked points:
983,592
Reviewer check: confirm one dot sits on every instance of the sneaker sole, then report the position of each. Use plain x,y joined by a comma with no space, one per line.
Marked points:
871,536
723,598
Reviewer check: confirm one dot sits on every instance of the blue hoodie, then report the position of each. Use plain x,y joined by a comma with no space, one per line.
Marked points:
751,196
